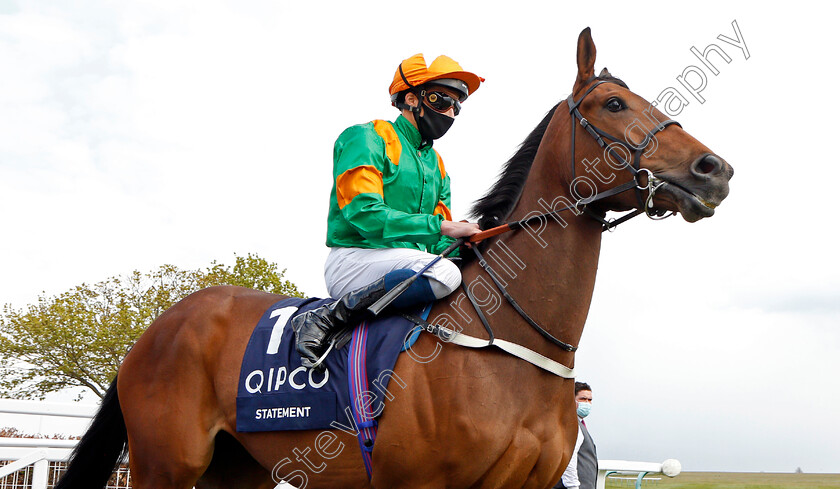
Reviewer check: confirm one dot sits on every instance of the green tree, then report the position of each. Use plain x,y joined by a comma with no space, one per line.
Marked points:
249,271
80,337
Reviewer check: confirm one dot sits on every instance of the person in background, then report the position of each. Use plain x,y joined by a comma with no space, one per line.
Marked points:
582,471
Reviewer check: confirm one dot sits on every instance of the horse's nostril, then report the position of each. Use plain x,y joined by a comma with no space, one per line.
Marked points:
707,165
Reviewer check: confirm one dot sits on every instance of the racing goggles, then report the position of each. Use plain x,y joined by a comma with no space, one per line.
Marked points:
441,102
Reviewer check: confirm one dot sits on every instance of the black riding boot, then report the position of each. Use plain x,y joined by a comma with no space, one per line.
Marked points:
312,328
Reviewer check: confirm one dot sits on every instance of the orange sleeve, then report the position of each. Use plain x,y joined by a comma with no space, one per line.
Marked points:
441,209
359,180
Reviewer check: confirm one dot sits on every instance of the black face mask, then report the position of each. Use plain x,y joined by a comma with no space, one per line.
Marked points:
432,125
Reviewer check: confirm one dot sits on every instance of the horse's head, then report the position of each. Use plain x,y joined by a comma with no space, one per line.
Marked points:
632,141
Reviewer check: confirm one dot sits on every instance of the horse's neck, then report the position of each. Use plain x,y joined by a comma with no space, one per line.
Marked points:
549,267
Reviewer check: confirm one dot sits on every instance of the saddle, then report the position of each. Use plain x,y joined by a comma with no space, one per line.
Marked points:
276,392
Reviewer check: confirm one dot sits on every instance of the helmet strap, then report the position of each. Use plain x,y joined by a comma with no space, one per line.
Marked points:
413,89
405,80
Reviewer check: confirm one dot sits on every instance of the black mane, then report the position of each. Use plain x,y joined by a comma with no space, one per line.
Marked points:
494,208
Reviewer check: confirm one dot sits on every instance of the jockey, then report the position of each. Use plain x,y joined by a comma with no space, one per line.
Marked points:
389,207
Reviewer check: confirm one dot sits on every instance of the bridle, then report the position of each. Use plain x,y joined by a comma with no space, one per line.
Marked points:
582,205
652,185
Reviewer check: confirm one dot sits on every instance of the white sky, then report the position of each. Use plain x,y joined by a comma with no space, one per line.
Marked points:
134,134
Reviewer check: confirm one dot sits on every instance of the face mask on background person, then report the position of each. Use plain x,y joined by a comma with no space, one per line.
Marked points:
583,409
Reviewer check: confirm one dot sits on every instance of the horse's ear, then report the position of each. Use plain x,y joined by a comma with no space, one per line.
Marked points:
585,58
605,73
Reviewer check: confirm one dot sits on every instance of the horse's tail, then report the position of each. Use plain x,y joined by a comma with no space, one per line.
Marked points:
100,449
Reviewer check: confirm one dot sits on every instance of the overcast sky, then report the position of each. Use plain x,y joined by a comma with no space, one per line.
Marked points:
136,134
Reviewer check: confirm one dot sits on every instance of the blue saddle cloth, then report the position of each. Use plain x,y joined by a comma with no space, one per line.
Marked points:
276,393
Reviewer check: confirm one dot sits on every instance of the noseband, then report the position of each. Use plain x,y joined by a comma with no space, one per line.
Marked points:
653,183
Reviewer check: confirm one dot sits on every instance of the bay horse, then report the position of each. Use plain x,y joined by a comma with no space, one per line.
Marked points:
460,417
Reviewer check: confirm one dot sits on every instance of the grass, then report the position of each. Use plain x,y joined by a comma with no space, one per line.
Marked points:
737,480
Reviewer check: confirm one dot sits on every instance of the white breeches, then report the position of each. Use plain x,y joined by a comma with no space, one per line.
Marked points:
347,269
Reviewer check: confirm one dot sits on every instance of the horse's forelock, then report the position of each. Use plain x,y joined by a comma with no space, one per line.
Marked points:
608,78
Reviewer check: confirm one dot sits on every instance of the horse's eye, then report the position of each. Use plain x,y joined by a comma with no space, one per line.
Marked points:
614,104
